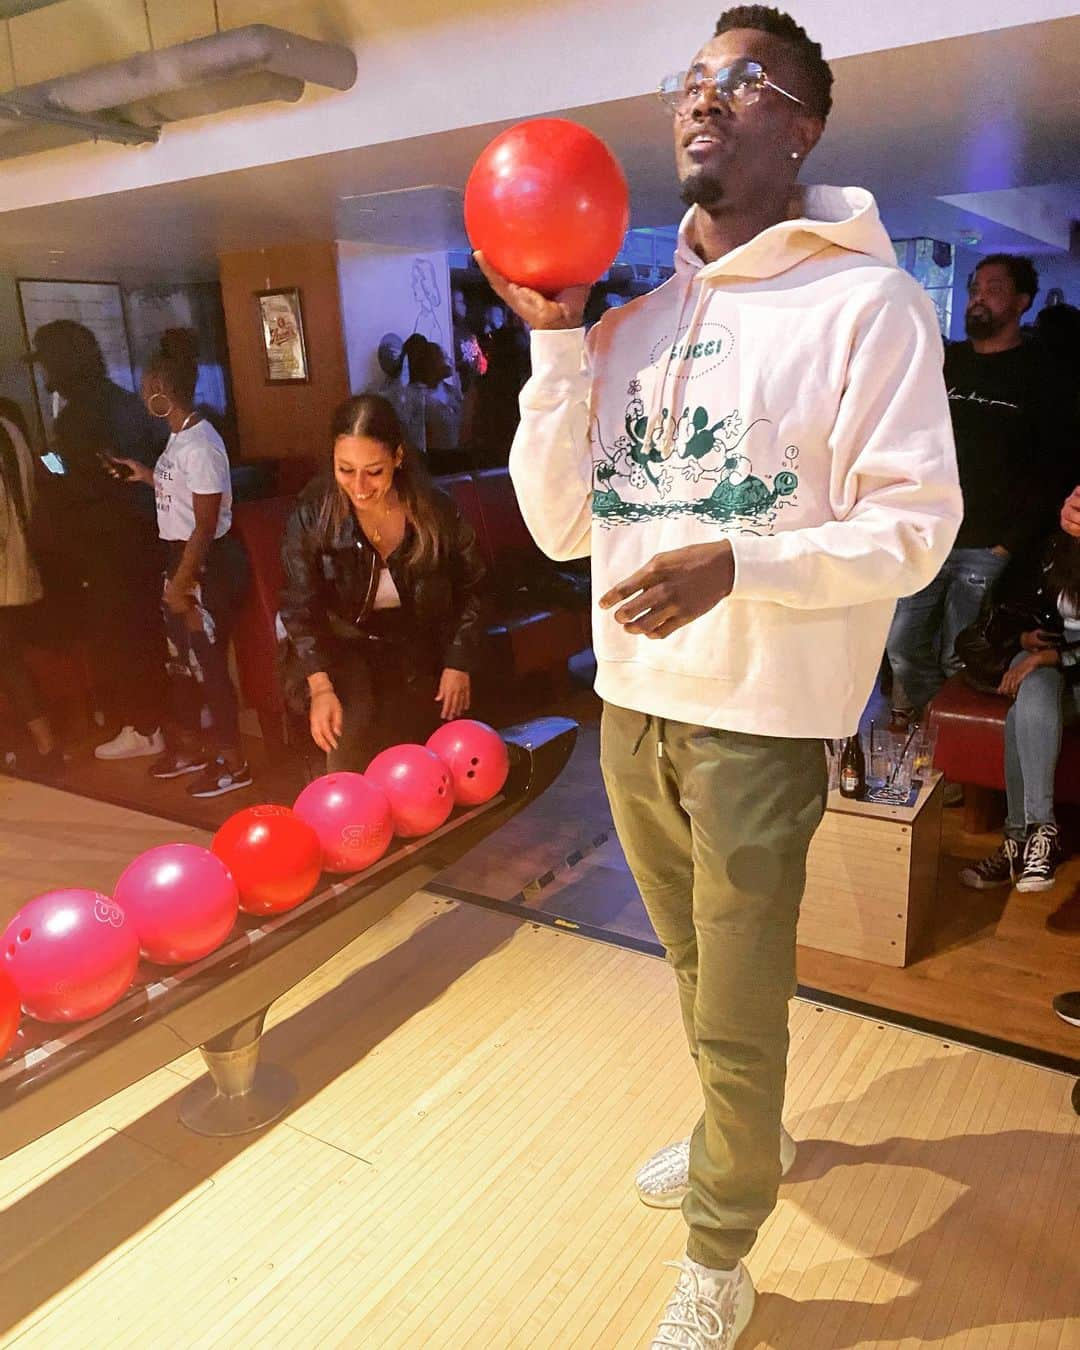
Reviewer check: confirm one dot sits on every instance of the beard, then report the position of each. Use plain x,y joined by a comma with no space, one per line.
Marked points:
702,190
981,325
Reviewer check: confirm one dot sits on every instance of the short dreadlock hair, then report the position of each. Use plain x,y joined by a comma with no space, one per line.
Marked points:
780,25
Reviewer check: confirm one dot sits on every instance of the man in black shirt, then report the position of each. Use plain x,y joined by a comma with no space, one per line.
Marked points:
1009,423
106,534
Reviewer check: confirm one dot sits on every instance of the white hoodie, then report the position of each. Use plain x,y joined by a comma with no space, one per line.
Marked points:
788,396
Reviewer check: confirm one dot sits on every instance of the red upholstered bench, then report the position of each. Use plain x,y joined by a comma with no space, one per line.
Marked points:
971,750
260,525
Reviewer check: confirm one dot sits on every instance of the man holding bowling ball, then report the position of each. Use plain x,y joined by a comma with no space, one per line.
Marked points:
759,460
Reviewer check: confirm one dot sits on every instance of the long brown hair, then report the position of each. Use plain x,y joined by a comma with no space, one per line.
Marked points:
1064,569
373,417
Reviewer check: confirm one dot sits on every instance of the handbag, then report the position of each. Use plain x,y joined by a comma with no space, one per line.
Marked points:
988,647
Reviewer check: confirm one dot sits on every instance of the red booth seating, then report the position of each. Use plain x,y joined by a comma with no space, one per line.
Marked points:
528,635
971,749
259,525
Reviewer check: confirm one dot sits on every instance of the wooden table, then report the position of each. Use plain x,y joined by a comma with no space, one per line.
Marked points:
871,877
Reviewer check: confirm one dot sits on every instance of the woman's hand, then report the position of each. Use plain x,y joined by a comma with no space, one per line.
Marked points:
1016,675
566,310
455,694
1070,514
137,473
1038,641
178,595
325,719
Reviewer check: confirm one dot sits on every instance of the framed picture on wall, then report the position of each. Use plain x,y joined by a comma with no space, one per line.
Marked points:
282,325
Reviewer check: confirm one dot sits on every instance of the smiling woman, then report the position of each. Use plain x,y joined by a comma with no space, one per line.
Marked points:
382,606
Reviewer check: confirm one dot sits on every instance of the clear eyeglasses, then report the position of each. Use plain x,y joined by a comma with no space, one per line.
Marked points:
736,86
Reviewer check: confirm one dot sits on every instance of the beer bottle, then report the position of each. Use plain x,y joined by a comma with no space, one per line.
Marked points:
853,769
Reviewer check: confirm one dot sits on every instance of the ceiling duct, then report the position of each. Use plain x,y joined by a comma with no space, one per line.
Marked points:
130,100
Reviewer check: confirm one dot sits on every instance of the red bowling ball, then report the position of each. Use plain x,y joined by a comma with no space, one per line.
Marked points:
417,785
476,756
275,857
9,1012
71,954
352,818
547,205
182,901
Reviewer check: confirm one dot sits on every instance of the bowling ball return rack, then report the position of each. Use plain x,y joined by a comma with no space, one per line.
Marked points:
218,1005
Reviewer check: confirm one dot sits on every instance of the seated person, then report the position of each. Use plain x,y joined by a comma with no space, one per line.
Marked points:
382,600
205,578
1043,681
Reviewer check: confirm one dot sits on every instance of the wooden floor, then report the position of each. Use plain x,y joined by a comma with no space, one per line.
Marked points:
988,965
475,1093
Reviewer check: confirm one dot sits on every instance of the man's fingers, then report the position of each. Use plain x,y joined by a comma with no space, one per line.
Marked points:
654,617
625,589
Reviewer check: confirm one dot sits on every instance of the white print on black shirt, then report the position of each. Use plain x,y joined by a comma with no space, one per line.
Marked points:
955,397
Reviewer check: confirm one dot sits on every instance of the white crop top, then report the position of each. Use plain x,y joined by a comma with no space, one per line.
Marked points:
386,596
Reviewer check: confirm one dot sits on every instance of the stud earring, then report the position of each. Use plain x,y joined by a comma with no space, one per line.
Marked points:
794,154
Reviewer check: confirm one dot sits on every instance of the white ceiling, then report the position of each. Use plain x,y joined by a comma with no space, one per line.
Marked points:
973,119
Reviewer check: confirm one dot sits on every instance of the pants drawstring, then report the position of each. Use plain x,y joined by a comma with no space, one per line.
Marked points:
646,719
646,723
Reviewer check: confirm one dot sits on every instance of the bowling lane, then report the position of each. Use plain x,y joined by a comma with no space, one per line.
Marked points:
51,839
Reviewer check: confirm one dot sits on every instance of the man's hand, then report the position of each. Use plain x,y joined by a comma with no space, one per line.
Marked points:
1070,514
567,310
1016,675
673,589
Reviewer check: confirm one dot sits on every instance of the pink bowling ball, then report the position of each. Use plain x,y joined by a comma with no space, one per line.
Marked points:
417,785
352,818
71,953
182,901
476,756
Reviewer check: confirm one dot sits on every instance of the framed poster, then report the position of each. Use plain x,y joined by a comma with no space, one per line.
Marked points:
97,305
282,325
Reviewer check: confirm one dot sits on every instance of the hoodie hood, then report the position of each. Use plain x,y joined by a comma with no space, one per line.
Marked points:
842,217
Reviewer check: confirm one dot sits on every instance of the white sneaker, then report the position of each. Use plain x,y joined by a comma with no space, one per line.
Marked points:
131,744
704,1313
664,1179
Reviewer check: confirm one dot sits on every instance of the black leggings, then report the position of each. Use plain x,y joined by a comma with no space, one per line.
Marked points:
387,692
17,682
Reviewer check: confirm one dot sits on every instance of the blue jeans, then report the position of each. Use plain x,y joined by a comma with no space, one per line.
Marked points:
1032,745
922,640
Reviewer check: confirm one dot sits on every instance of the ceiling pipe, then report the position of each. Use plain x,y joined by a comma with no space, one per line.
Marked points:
100,128
237,51
125,100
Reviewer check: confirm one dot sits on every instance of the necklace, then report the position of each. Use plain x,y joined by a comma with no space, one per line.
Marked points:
188,421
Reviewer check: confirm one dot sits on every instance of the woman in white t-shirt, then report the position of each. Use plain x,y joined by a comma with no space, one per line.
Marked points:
206,574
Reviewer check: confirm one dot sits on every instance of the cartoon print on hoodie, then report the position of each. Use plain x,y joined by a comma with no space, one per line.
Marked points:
700,452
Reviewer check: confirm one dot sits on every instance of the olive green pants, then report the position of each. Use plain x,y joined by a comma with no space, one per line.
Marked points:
715,826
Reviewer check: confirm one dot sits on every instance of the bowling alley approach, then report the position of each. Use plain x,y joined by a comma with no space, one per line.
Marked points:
539,647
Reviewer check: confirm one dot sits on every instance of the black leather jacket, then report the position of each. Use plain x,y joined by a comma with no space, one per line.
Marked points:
330,588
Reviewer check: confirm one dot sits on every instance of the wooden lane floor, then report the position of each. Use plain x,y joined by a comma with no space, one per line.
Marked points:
988,964
51,839
475,1095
